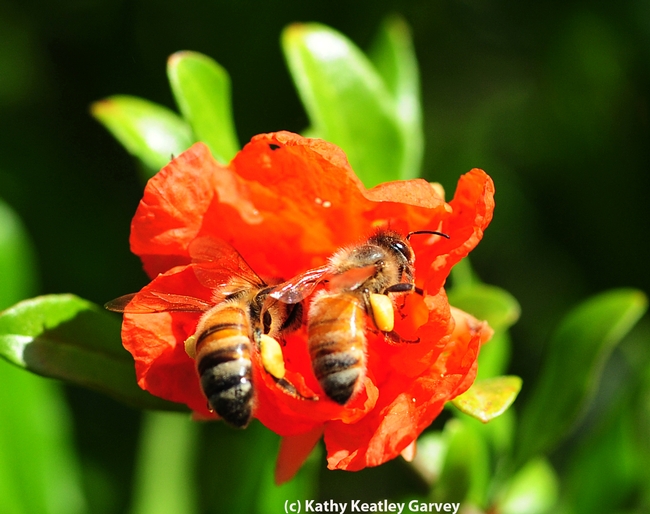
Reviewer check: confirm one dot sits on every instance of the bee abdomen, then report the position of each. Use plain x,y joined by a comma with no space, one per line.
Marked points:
337,345
338,373
226,379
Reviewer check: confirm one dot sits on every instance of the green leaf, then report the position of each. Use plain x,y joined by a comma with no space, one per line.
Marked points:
39,471
167,454
17,266
150,132
65,337
394,57
227,455
303,486
429,458
488,398
533,490
493,304
346,100
498,307
465,472
571,372
463,275
202,91
610,446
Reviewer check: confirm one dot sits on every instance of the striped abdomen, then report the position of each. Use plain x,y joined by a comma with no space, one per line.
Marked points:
223,359
336,332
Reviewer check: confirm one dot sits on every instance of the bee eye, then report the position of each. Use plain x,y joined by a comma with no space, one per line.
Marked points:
402,248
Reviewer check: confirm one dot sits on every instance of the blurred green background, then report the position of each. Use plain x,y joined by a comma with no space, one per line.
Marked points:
550,98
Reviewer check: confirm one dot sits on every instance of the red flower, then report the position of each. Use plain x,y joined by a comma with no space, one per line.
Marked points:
286,203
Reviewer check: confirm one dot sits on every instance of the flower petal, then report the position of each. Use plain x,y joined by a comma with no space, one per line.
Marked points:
156,342
294,450
471,213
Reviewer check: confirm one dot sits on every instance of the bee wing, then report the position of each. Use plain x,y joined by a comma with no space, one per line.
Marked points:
217,263
301,286
153,301
352,278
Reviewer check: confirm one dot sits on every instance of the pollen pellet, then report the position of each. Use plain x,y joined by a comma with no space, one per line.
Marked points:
190,346
382,312
271,354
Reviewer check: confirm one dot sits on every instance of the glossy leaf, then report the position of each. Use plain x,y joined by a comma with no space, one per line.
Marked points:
65,337
17,267
202,91
167,454
533,490
394,57
571,372
150,132
346,100
488,398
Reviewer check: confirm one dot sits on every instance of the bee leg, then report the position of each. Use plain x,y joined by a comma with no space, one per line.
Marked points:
394,338
291,390
402,287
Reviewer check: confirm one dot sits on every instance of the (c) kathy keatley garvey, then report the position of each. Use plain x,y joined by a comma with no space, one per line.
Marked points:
286,203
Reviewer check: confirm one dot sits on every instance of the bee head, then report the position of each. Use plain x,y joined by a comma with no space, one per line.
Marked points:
394,243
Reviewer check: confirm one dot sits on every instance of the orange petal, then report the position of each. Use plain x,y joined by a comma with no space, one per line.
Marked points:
294,450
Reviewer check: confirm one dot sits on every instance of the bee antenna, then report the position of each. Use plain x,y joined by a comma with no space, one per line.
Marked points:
434,232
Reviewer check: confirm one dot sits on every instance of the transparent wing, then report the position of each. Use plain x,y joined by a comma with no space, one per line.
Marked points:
352,278
218,265
153,301
301,286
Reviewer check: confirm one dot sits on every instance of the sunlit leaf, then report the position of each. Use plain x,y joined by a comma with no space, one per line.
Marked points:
202,91
488,398
533,490
346,100
394,57
571,371
65,337
150,132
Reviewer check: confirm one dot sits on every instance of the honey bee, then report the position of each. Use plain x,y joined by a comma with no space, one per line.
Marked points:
357,283
241,318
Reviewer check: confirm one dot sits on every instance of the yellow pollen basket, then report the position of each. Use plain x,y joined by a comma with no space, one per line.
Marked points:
190,346
382,312
272,358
